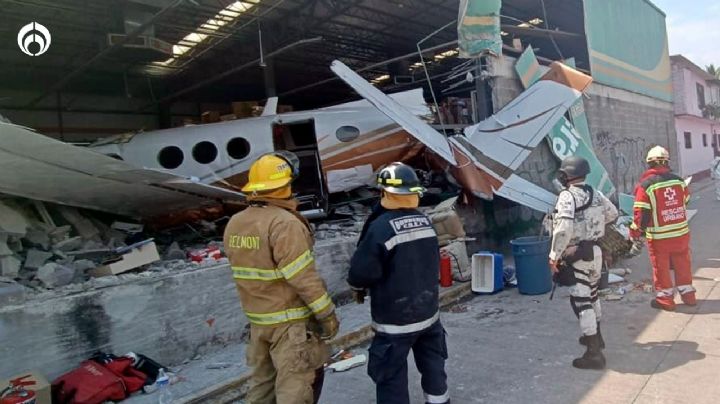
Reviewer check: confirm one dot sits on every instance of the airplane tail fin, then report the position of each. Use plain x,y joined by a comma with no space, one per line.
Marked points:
270,107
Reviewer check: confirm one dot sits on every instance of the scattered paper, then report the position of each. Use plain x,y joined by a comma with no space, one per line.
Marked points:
347,364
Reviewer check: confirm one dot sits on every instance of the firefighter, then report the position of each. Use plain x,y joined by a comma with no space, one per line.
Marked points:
398,260
579,220
659,213
269,246
715,174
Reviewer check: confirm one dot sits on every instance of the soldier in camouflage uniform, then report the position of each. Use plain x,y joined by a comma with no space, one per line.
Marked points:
581,214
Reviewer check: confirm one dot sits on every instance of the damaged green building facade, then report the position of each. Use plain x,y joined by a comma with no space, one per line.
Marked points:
623,45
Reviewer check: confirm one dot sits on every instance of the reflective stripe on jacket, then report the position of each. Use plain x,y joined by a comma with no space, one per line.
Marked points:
660,205
270,251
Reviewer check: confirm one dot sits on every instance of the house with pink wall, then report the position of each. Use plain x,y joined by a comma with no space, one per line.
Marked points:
698,131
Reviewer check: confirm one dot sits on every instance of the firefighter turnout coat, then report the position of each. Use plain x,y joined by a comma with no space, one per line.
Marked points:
269,247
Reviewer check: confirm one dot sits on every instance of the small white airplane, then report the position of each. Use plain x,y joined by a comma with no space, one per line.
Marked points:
325,140
152,174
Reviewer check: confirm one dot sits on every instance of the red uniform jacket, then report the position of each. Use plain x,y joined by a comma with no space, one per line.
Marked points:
659,211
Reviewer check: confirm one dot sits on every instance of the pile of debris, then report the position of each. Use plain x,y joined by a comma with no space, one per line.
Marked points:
346,222
46,246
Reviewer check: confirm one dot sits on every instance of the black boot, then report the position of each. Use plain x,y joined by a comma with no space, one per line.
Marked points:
593,357
583,340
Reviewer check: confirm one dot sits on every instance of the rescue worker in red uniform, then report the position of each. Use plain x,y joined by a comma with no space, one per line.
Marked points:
660,214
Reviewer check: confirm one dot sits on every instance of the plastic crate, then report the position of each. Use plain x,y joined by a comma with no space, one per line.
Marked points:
487,272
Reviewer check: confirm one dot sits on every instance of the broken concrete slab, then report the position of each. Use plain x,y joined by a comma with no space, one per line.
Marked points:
10,266
4,249
127,227
83,265
143,254
174,252
84,226
53,275
12,221
38,237
59,234
36,258
15,244
70,244
11,293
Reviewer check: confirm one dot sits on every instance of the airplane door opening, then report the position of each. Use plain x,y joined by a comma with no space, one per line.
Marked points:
310,187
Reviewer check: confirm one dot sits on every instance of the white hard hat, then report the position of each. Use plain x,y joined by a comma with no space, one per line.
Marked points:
657,153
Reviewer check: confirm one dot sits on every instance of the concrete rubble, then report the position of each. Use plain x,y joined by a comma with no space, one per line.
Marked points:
46,248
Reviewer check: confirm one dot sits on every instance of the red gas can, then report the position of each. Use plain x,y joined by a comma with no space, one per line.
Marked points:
445,270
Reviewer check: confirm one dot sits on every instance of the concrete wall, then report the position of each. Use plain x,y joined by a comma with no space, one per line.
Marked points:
689,89
680,96
624,126
169,318
699,157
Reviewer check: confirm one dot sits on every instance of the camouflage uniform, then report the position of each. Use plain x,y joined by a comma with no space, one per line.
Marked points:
577,220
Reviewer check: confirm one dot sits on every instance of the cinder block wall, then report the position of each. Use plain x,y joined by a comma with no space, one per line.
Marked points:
169,318
624,126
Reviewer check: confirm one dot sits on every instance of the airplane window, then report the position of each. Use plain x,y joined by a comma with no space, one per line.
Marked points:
204,152
238,148
170,157
347,133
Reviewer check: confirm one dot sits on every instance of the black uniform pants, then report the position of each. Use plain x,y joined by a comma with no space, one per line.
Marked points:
388,365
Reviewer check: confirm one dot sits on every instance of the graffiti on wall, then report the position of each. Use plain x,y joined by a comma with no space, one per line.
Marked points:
625,156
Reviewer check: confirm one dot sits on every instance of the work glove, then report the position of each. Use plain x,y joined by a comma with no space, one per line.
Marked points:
359,295
330,327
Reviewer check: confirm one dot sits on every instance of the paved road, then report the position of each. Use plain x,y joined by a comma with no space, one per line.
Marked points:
510,348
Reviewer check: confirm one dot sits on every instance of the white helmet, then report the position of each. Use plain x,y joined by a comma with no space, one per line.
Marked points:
657,153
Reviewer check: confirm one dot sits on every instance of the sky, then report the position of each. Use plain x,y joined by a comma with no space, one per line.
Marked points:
693,29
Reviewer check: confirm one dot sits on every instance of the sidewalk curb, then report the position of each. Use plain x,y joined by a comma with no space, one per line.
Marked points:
236,388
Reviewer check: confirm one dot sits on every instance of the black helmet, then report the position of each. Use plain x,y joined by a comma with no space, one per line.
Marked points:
399,178
574,167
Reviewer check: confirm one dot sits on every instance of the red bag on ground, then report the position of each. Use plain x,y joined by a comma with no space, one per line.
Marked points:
132,378
91,383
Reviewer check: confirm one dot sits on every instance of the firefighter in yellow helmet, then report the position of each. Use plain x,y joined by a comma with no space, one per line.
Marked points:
269,246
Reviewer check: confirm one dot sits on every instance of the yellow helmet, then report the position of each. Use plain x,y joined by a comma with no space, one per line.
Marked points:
272,171
657,153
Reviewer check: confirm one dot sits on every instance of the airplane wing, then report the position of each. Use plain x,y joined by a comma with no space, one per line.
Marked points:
38,167
506,139
526,193
411,123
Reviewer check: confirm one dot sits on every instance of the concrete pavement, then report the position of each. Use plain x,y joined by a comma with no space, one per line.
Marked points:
510,348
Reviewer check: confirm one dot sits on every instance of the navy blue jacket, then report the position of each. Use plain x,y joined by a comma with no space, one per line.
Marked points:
398,260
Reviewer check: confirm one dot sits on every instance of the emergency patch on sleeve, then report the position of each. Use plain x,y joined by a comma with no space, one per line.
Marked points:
409,223
565,206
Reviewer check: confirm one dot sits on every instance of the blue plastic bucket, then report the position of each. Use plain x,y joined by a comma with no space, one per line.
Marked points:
531,264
